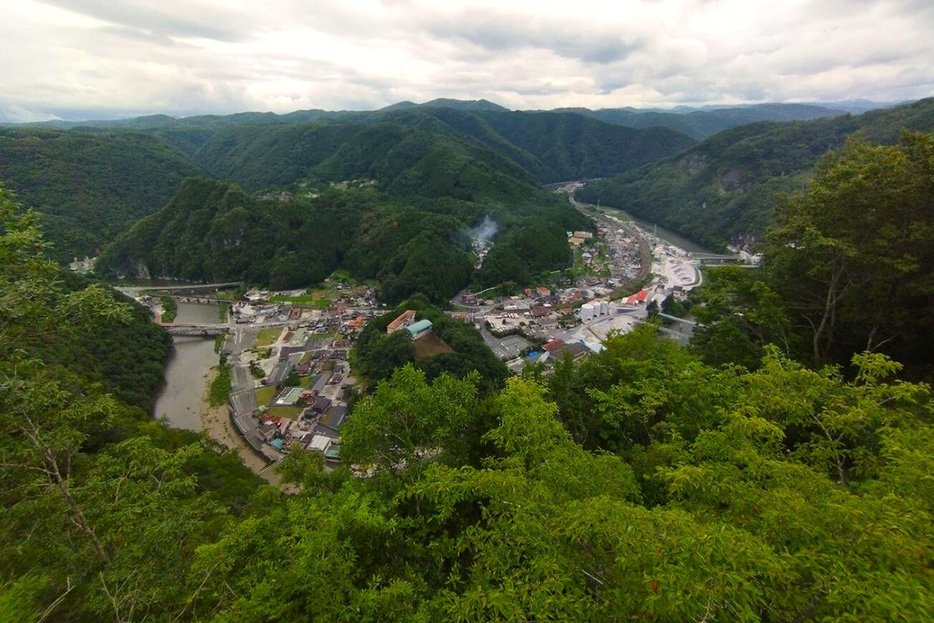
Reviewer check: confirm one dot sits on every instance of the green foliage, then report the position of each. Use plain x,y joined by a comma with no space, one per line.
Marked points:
700,124
376,355
524,252
643,483
89,186
847,266
83,471
170,309
219,392
724,189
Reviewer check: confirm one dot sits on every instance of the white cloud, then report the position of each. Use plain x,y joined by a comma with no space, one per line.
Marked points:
12,113
80,58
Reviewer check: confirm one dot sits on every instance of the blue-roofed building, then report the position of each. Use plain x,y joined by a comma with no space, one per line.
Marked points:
419,329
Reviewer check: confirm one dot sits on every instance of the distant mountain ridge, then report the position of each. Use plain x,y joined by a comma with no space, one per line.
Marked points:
464,150
699,124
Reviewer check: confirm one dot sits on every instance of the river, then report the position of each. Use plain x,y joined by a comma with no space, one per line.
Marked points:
665,234
186,370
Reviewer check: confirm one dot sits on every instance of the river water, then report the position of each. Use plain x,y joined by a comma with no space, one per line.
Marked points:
180,400
665,234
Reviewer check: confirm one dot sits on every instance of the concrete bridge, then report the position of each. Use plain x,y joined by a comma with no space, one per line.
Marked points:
199,300
714,259
196,330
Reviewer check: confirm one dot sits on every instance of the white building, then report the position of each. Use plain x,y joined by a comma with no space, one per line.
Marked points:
589,311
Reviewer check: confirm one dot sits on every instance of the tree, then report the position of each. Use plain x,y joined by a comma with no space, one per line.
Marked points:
408,421
739,315
852,256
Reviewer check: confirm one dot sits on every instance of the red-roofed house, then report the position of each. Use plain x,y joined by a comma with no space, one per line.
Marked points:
553,344
405,319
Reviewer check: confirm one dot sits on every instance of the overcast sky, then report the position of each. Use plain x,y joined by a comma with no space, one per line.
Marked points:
104,58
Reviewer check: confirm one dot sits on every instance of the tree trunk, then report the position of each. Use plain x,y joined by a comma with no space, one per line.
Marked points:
77,515
830,303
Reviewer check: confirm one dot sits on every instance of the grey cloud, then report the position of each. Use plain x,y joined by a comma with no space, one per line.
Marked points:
162,18
193,56
504,31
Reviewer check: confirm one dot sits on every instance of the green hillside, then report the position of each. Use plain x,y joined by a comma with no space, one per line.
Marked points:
552,147
89,185
724,189
213,230
700,124
640,484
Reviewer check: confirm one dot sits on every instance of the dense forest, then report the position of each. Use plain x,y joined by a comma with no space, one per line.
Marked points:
376,355
442,161
724,189
649,482
214,231
847,266
89,185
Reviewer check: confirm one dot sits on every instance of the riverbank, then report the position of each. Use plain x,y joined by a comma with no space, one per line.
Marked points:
216,424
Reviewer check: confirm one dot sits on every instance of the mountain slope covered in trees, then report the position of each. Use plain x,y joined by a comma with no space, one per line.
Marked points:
213,230
724,189
472,160
643,483
89,185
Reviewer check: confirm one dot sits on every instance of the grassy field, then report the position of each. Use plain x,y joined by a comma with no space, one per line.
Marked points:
320,298
264,395
290,413
267,337
431,345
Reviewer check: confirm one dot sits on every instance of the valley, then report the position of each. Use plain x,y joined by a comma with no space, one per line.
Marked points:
385,355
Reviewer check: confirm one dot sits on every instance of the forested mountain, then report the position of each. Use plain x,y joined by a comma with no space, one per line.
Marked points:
724,189
468,159
642,484
90,185
700,124
552,147
213,230
444,102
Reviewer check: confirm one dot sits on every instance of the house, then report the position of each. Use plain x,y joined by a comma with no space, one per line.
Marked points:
319,443
576,350
356,324
583,235
553,344
321,404
543,291
403,320
335,416
420,329
638,297
528,292
320,383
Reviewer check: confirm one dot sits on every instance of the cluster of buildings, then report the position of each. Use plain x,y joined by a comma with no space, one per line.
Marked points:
313,345
407,321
